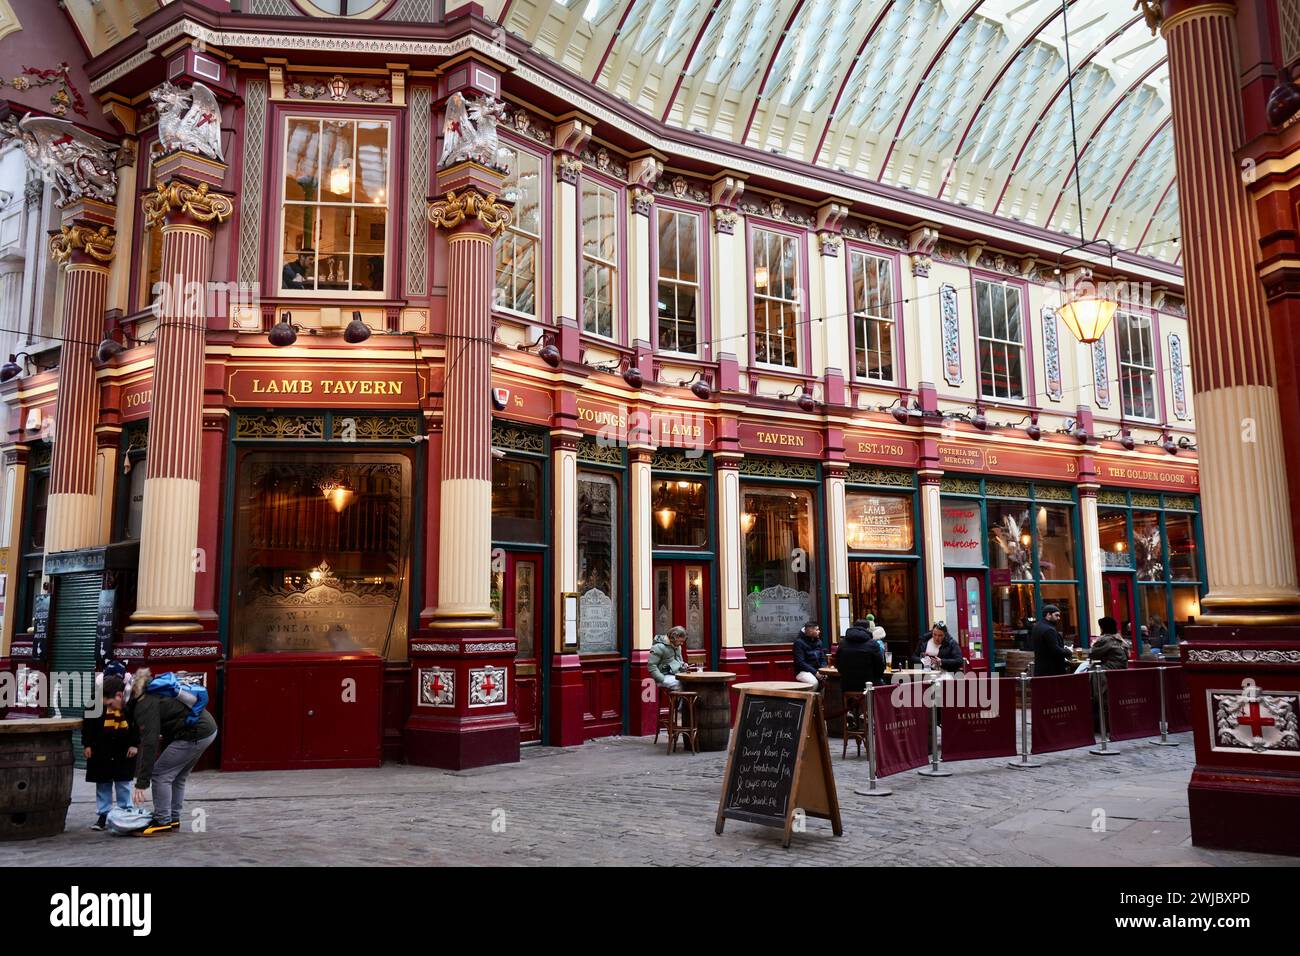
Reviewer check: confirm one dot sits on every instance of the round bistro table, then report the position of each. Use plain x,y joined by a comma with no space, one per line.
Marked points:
713,712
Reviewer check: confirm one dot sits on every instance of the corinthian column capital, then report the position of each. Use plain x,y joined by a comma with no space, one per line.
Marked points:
196,202
97,244
453,210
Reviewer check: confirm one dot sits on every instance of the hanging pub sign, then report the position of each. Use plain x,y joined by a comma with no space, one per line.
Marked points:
778,762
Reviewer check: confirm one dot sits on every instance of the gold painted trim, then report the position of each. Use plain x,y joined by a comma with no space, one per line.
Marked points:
1283,599
1197,13
196,202
96,243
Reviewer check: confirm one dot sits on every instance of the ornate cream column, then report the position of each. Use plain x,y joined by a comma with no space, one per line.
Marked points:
570,138
471,217
84,248
642,175
730,562
644,707
566,671
829,272
1249,551
837,539
1090,527
924,314
13,493
188,211
932,550
729,287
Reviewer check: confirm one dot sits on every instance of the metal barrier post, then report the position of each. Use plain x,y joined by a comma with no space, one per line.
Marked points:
872,790
1024,763
1104,750
1164,740
934,770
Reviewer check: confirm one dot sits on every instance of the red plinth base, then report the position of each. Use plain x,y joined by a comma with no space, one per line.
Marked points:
568,697
643,713
462,699
1244,685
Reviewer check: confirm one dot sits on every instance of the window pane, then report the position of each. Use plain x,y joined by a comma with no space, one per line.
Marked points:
337,163
983,310
516,500
1187,604
1113,534
1015,375
778,598
1055,543
1147,549
879,522
372,161
1064,596
597,564
680,512
1182,547
1009,538
334,247
668,245
1015,327
1153,616
302,160
368,249
688,268
963,533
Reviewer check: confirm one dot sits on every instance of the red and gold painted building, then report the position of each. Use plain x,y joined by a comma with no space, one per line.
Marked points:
469,429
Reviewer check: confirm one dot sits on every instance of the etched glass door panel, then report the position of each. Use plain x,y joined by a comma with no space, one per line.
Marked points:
597,564
322,550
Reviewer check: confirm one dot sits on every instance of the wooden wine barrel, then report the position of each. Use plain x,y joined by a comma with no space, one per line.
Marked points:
35,776
713,709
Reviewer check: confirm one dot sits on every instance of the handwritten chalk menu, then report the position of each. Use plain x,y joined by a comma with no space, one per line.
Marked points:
778,762
40,626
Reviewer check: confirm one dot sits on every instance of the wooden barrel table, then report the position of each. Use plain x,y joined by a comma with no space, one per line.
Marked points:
35,776
713,710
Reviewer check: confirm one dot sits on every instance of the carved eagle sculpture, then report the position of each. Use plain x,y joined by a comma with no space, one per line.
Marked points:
188,119
469,132
78,164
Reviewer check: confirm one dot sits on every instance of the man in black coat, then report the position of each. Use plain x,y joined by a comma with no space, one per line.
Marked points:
859,659
1050,656
809,654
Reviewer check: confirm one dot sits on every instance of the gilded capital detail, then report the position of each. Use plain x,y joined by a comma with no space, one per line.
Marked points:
194,201
96,243
470,204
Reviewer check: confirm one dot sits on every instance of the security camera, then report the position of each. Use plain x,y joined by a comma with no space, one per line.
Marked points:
498,453
416,439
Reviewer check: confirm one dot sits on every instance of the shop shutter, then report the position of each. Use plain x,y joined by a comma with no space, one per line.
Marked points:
72,641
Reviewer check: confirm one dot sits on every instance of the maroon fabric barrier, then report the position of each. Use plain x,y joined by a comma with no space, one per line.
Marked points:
982,721
1061,713
1178,701
1132,703
902,734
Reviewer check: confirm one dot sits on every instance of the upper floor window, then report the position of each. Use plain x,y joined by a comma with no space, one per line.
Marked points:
519,247
599,258
776,298
679,282
335,213
873,317
341,8
1137,365
1001,331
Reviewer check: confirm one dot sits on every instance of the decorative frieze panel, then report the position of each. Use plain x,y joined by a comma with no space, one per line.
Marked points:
876,234
487,686
778,468
1146,501
337,88
1053,493
679,461
279,427
1006,489
509,438
1177,373
680,187
528,124
601,159
951,334
417,188
959,486
881,477
1112,498
251,194
1100,374
778,209
375,428
1052,353
1180,503
1264,722
589,449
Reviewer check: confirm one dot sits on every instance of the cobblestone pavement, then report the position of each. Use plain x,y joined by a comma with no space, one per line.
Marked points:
623,801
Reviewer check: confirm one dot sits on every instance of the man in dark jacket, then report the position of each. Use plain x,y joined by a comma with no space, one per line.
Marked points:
809,655
859,659
940,649
1050,656
163,723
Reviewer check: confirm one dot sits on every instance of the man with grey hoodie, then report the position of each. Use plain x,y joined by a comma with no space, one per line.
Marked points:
163,723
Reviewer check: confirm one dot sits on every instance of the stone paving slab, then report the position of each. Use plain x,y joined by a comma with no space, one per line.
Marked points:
624,801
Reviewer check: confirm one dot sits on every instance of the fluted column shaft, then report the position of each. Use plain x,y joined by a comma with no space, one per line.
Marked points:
1249,552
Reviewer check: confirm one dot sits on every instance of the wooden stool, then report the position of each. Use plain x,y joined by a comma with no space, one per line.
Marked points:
681,720
853,701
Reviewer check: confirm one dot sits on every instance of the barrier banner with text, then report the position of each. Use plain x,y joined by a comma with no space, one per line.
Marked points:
1133,703
902,734
1061,711
984,724
1178,701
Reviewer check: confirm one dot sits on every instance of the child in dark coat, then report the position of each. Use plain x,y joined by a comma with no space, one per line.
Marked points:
110,742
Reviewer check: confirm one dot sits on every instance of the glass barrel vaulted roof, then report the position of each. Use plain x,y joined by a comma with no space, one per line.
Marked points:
965,100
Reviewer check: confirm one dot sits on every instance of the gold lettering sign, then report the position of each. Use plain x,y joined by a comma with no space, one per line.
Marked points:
139,399
780,438
600,416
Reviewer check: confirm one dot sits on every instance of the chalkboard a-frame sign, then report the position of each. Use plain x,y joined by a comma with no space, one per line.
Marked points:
779,761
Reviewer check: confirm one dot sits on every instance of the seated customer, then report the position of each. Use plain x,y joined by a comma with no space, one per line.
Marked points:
666,660
939,650
859,659
809,655
1110,651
